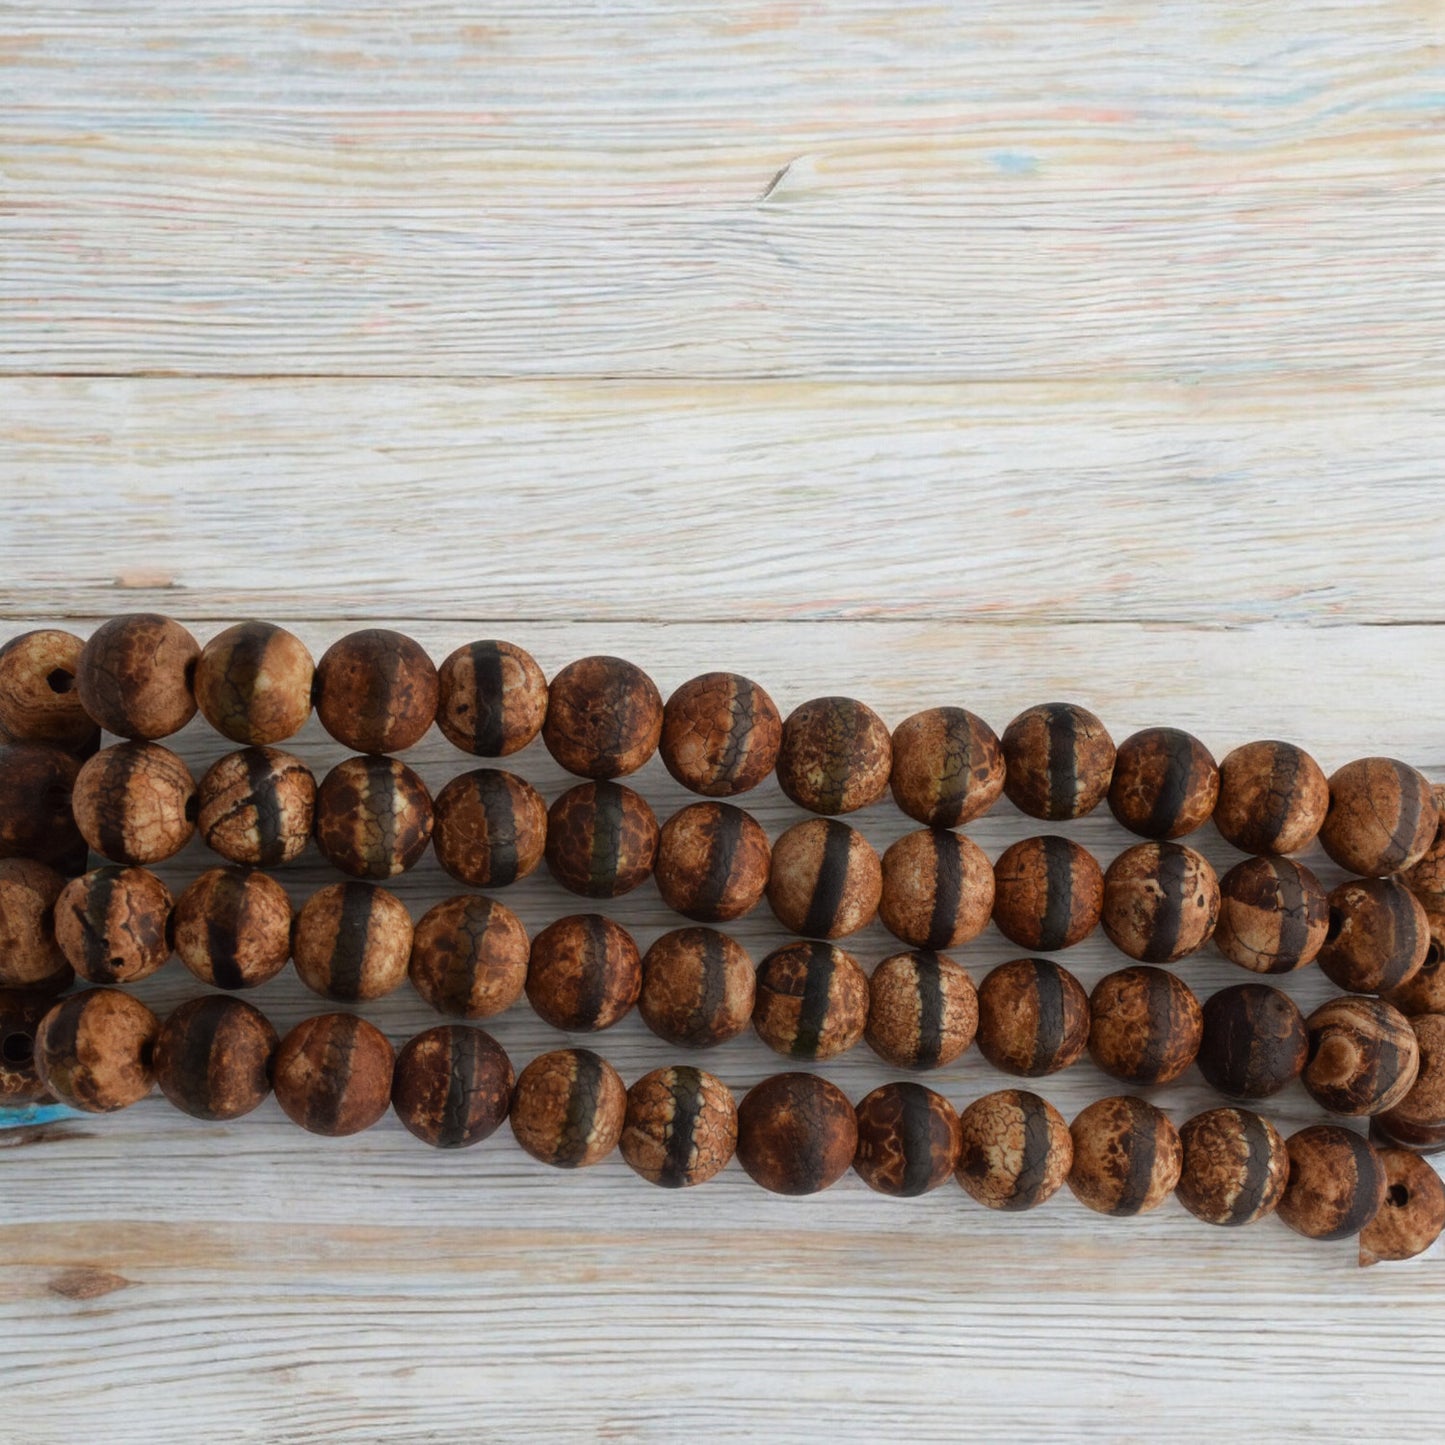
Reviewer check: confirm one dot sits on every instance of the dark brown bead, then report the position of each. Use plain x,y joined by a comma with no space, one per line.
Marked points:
1165,783
604,717
1419,1118
601,839
39,701
1015,1150
1273,797
1382,817
37,781
1235,1167
1336,1182
114,924
1378,936
233,928
136,673
30,954
20,1015
1161,902
1033,1018
253,683
797,1134
1425,992
1048,893
824,880
135,803
373,817
376,691
469,957
1273,915
569,1108
1058,761
698,987
922,1010
908,1140
681,1127
947,767
1418,1139
452,1086
213,1057
1254,1041
352,941
1412,1214
720,734
332,1074
812,1001
585,973
257,806
93,1050
835,757
1127,1157
1426,878
937,889
712,862
1144,1025
1363,1056
491,828
492,698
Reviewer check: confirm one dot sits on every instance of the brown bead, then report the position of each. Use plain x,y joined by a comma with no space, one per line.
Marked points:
1378,936
376,691
937,889
1161,902
20,1015
233,928
30,954
469,957
720,734
1165,783
1015,1150
947,767
352,941
1048,893
812,1001
36,818
604,717
1144,1025
922,1010
698,987
136,673
492,698
135,803
1235,1167
1412,1214
253,683
1425,879
585,973
712,862
681,1127
908,1140
332,1074
1363,1056
601,839
797,1134
835,756
39,701
1254,1041
1273,798
1425,992
491,828
1033,1018
373,817
1058,761
93,1050
824,880
114,924
1382,817
1273,915
569,1108
1418,1138
213,1057
452,1086
1127,1156
1419,1118
1336,1182
257,806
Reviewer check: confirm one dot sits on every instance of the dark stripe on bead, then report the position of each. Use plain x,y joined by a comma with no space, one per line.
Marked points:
947,890
265,798
1058,895
1404,936
682,1127
916,1137
1159,1028
1363,1202
817,995
223,930
592,986
1049,1027
832,877
1143,1147
743,716
726,833
323,1102
606,839
1168,906
62,1040
456,1108
1292,916
1063,761
99,899
1255,1179
712,991
928,980
191,1057
1283,775
379,801
381,678
488,705
1034,1162
499,805
1173,788
581,1108
348,949
1408,818
117,775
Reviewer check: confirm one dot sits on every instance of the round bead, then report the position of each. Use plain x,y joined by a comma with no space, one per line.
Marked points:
947,767
720,734
1058,761
1145,1025
136,674
1164,785
352,941
469,957
1273,797
1273,915
908,1140
36,817
1161,902
698,987
797,1134
213,1057
1015,1150
1378,936
376,691
1425,879
373,817
1362,1056
601,839
569,1108
30,954
1412,1214
1425,992
1382,817
492,698
1235,1167
604,717
812,1001
681,1127
491,828
824,880
135,803
1419,1118
712,862
937,889
257,806
332,1074
1033,1018
1336,1183
1127,1156
233,928
835,755
39,701
20,1015
585,973
253,683
93,1050
114,924
1254,1041
922,1010
452,1086
1048,893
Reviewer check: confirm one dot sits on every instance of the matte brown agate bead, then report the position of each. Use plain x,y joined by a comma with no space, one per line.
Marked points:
1161,902
20,1015
585,973
373,817
233,928
1033,1018
1378,937
135,803
824,880
114,924
698,987
1127,1157
213,1057
812,1001
937,889
452,1086
1363,1056
797,1134
1254,1042
835,757
352,941
1273,798
491,828
1412,1214
604,717
681,1127
1144,1025
908,1140
332,1074
1015,1150
257,806
30,954
492,698
947,767
601,839
1048,893
93,1050
1382,817
469,957
1165,783
1235,1167
569,1108
712,862
39,701
37,781
1058,759
376,691
1273,915
1419,1118
1425,992
1336,1182
253,683
922,1010
720,734
1426,878
136,673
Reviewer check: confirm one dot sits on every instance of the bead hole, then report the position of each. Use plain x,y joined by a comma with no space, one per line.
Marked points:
116,964
60,680
17,1047
1432,958
1398,1195
193,808
1337,922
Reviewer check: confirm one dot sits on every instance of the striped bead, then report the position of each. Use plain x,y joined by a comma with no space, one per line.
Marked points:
604,717
1411,1216
824,879
20,1015
568,1108
698,987
1253,1043
812,1001
1048,893
1164,784
1426,878
922,1010
1378,936
712,862
373,817
257,807
797,1134
30,954
135,803
352,941
1420,1115
1363,1056
681,1127
1382,817
490,829
1425,992
1336,1182
1127,1157
1058,760
908,1140
135,676
213,1057
491,699
1273,915
1015,1150
332,1074
37,819
720,734
469,957
93,1050
1144,1025
254,682
452,1086
113,924
1235,1167
233,928
601,840
948,767
1161,902
937,889
1273,797
585,973
1033,1017
376,691
835,757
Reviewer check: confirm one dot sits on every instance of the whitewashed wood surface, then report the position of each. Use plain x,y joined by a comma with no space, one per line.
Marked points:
934,354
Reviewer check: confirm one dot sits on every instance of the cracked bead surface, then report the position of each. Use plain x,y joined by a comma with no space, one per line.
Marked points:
797,1134
253,683
93,1050
1048,893
1161,902
136,675
835,757
720,734
937,889
452,1086
812,1001
1273,915
824,879
1145,1025
1426,877
1015,1150
213,1057
1425,992
922,1010
1336,1182
113,924
1411,1215
490,828
1127,1156
1273,798
601,840
492,698
680,1128
1418,1120
469,957
1363,1056
698,987
39,701
908,1140
257,806
1382,817
233,928
30,954
1164,784
352,941
332,1074
135,803
585,973
712,862
1235,1167
376,691
1033,1017
1254,1041
569,1108
604,717
948,767
1378,938
373,817
20,1015
37,782
1058,760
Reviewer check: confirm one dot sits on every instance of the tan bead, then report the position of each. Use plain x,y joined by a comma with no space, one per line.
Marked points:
1425,992
469,957
585,973
1426,878
1378,936
233,928
712,862
373,817
1015,1150
1127,1157
681,1127
937,889
1419,1118
352,941
213,1057
257,806
1412,1214
39,701
922,1010
114,924
20,1015
1273,798
1235,1167
1145,1025
491,828
797,1134
452,1086
824,879
1048,893
835,756
1161,902
1273,915
698,987
908,1140
1363,1056
37,782
492,698
30,955
1382,817
947,767
136,673
569,1108
604,717
376,691
720,734
253,683
812,1001
1164,785
1336,1182
333,1074
601,840
1058,759
93,1050
1033,1018
136,803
